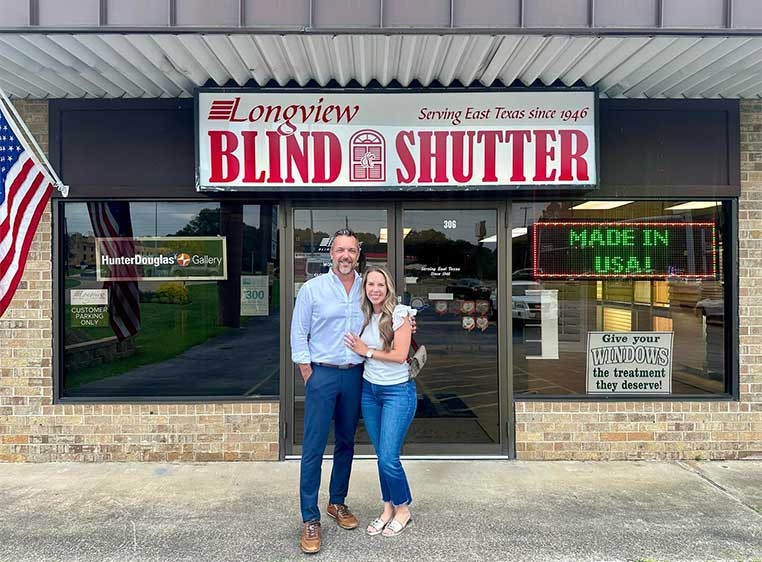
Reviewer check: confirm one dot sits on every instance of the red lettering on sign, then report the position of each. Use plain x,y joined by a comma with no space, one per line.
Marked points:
541,154
250,158
517,138
223,156
406,156
460,174
334,157
290,156
490,139
568,154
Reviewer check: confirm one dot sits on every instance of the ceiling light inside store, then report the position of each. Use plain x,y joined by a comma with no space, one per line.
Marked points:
600,205
694,205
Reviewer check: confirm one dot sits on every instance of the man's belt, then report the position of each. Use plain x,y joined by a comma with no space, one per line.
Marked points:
344,366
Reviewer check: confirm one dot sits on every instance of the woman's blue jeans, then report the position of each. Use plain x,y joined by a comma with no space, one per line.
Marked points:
387,412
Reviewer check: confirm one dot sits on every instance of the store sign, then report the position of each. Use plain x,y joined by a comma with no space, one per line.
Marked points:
634,250
161,258
448,140
629,362
88,308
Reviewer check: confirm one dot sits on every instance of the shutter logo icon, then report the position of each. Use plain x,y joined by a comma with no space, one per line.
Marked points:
367,156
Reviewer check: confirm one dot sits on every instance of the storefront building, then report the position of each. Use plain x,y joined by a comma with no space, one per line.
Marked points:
569,192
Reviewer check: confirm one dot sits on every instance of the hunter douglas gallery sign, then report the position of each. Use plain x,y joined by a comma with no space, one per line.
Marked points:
285,140
161,258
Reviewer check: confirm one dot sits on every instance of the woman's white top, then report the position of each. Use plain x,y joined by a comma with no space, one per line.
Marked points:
385,372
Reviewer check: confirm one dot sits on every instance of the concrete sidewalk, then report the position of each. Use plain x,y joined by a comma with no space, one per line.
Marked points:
463,510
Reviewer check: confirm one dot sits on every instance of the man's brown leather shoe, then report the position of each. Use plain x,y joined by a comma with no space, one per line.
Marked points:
343,516
310,541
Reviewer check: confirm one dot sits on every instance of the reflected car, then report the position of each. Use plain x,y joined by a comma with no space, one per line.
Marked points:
469,288
523,306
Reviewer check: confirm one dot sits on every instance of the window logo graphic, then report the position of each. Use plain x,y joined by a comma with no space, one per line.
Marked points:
367,156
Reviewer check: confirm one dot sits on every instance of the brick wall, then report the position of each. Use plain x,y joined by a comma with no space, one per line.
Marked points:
33,429
709,430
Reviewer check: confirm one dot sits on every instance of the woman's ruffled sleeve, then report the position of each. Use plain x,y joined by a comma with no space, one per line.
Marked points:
400,313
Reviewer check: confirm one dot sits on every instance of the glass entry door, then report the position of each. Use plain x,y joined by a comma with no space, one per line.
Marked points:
450,274
446,264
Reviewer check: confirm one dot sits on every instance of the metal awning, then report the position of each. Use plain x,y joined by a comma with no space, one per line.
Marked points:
167,65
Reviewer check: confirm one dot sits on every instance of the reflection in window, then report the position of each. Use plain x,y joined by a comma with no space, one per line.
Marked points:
686,299
191,305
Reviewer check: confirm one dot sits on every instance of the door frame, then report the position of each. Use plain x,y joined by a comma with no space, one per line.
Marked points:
506,448
506,424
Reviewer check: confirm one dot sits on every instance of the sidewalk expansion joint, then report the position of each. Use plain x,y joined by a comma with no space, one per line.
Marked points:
700,473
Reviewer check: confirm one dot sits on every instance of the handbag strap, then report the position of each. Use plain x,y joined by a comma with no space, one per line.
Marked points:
413,344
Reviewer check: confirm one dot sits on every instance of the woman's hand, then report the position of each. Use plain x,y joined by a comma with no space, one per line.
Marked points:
355,344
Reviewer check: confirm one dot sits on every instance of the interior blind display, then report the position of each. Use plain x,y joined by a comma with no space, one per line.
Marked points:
634,250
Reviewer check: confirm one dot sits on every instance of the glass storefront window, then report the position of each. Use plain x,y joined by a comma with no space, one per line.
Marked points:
170,300
617,266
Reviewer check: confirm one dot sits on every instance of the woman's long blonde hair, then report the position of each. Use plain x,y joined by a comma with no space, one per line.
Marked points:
387,307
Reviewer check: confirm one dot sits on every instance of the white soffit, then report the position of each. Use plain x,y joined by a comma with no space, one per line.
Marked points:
109,65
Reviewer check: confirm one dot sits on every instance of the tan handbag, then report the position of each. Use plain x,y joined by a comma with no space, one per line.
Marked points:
417,361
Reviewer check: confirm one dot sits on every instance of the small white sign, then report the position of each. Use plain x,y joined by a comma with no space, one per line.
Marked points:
83,297
629,362
255,295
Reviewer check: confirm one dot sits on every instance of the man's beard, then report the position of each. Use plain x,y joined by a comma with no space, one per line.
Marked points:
344,267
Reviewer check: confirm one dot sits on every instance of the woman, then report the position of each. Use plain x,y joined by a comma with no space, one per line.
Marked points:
388,396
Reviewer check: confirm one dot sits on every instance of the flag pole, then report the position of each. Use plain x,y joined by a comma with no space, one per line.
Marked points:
60,186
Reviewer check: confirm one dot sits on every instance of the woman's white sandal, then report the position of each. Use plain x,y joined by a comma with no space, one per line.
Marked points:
394,527
376,526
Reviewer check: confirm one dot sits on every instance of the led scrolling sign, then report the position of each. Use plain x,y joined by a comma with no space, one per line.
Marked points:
626,250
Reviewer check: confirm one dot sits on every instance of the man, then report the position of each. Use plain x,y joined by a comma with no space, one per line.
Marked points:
327,307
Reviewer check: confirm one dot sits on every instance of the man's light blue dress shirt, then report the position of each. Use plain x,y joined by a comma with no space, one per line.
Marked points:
323,313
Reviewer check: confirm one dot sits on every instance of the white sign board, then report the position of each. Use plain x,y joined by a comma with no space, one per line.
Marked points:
629,362
255,295
436,140
83,297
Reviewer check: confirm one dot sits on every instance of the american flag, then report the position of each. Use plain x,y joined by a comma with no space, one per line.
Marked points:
25,188
112,227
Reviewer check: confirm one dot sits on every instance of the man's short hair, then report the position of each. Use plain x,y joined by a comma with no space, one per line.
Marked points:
344,232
